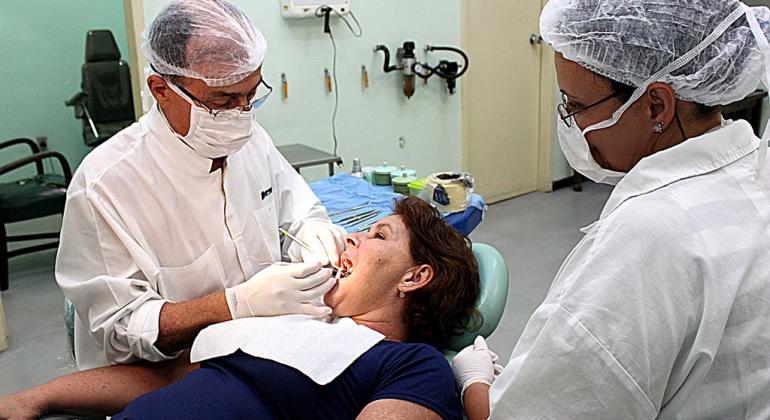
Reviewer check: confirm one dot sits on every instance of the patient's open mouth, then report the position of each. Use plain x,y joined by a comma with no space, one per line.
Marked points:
346,268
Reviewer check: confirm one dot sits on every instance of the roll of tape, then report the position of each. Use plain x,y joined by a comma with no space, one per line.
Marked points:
450,191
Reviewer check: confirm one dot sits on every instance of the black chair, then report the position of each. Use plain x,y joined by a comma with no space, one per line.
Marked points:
28,198
105,102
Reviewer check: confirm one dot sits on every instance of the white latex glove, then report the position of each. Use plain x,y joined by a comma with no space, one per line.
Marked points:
326,240
476,363
282,289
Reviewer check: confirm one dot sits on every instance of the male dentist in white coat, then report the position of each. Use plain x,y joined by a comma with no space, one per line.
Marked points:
172,224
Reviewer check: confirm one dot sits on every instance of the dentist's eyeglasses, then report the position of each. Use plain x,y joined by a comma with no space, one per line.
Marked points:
225,113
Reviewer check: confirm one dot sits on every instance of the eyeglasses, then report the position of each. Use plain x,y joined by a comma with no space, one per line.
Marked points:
568,117
261,93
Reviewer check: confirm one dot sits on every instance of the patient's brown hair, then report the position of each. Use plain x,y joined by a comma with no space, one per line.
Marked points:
446,307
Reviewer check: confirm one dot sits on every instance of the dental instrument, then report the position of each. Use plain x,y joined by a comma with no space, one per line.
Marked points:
337,213
306,246
354,220
355,216
360,220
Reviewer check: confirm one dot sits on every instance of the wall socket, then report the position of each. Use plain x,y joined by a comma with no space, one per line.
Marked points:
42,141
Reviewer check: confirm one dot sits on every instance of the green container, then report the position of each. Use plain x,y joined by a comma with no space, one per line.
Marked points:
402,172
381,174
401,184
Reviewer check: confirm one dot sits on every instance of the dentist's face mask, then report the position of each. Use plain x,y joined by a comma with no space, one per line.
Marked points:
218,133
573,140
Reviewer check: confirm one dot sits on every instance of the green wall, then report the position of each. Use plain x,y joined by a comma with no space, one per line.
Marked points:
370,121
42,44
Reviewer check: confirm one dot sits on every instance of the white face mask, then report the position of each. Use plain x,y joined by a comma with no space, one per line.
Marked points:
216,136
573,141
575,147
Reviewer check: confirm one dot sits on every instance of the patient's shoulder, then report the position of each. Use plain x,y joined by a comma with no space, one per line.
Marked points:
394,359
417,373
397,351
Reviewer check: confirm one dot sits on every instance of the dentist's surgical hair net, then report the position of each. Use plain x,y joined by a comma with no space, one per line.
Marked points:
630,40
210,40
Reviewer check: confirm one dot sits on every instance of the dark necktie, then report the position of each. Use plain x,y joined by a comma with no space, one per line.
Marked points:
218,163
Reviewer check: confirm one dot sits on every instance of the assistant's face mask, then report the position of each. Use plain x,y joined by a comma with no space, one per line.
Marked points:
573,141
216,135
575,147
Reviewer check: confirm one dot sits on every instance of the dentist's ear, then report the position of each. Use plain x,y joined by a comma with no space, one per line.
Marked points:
416,278
159,89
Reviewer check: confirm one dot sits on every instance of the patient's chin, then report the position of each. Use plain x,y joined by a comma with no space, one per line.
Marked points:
331,298
336,295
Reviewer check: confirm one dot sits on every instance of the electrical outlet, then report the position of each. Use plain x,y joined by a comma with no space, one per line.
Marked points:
42,141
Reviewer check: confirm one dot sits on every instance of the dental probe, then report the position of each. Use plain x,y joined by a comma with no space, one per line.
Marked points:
306,246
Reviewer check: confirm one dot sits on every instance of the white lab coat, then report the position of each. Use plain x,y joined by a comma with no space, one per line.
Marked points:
146,223
663,308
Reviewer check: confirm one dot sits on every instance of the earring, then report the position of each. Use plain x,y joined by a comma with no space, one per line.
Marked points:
401,294
658,127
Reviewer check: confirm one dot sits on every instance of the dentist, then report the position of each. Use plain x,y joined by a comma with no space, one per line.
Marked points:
172,225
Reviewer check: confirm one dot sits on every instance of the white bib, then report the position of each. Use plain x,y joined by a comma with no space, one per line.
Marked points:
321,350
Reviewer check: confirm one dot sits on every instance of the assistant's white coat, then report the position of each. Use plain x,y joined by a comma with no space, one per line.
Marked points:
663,308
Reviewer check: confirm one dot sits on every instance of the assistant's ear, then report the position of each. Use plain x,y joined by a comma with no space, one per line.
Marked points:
159,89
662,106
416,279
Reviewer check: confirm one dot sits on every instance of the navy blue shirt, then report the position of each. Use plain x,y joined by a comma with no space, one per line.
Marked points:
243,386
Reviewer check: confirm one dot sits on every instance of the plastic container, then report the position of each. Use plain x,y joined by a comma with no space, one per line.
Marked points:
368,172
401,184
416,186
402,172
381,174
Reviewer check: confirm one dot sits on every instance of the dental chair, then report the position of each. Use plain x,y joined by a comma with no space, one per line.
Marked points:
105,102
493,272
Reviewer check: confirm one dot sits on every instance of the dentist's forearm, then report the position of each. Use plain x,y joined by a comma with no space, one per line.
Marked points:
181,322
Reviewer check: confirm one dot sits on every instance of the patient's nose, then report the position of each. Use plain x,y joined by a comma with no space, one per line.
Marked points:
353,239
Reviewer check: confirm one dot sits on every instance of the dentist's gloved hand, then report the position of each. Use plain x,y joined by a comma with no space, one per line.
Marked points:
476,363
326,239
282,289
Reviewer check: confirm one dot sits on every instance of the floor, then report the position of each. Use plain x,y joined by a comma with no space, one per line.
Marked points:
534,233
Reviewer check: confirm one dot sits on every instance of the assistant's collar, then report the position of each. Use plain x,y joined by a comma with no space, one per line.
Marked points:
173,148
696,156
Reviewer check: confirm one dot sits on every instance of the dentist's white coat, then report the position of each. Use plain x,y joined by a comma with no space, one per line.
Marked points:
146,222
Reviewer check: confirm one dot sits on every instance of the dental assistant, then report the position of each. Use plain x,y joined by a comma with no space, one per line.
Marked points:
662,310
172,224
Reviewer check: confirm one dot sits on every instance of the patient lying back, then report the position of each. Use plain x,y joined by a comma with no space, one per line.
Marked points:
408,286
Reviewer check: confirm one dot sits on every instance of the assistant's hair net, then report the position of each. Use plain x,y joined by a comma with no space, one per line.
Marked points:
209,40
630,40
